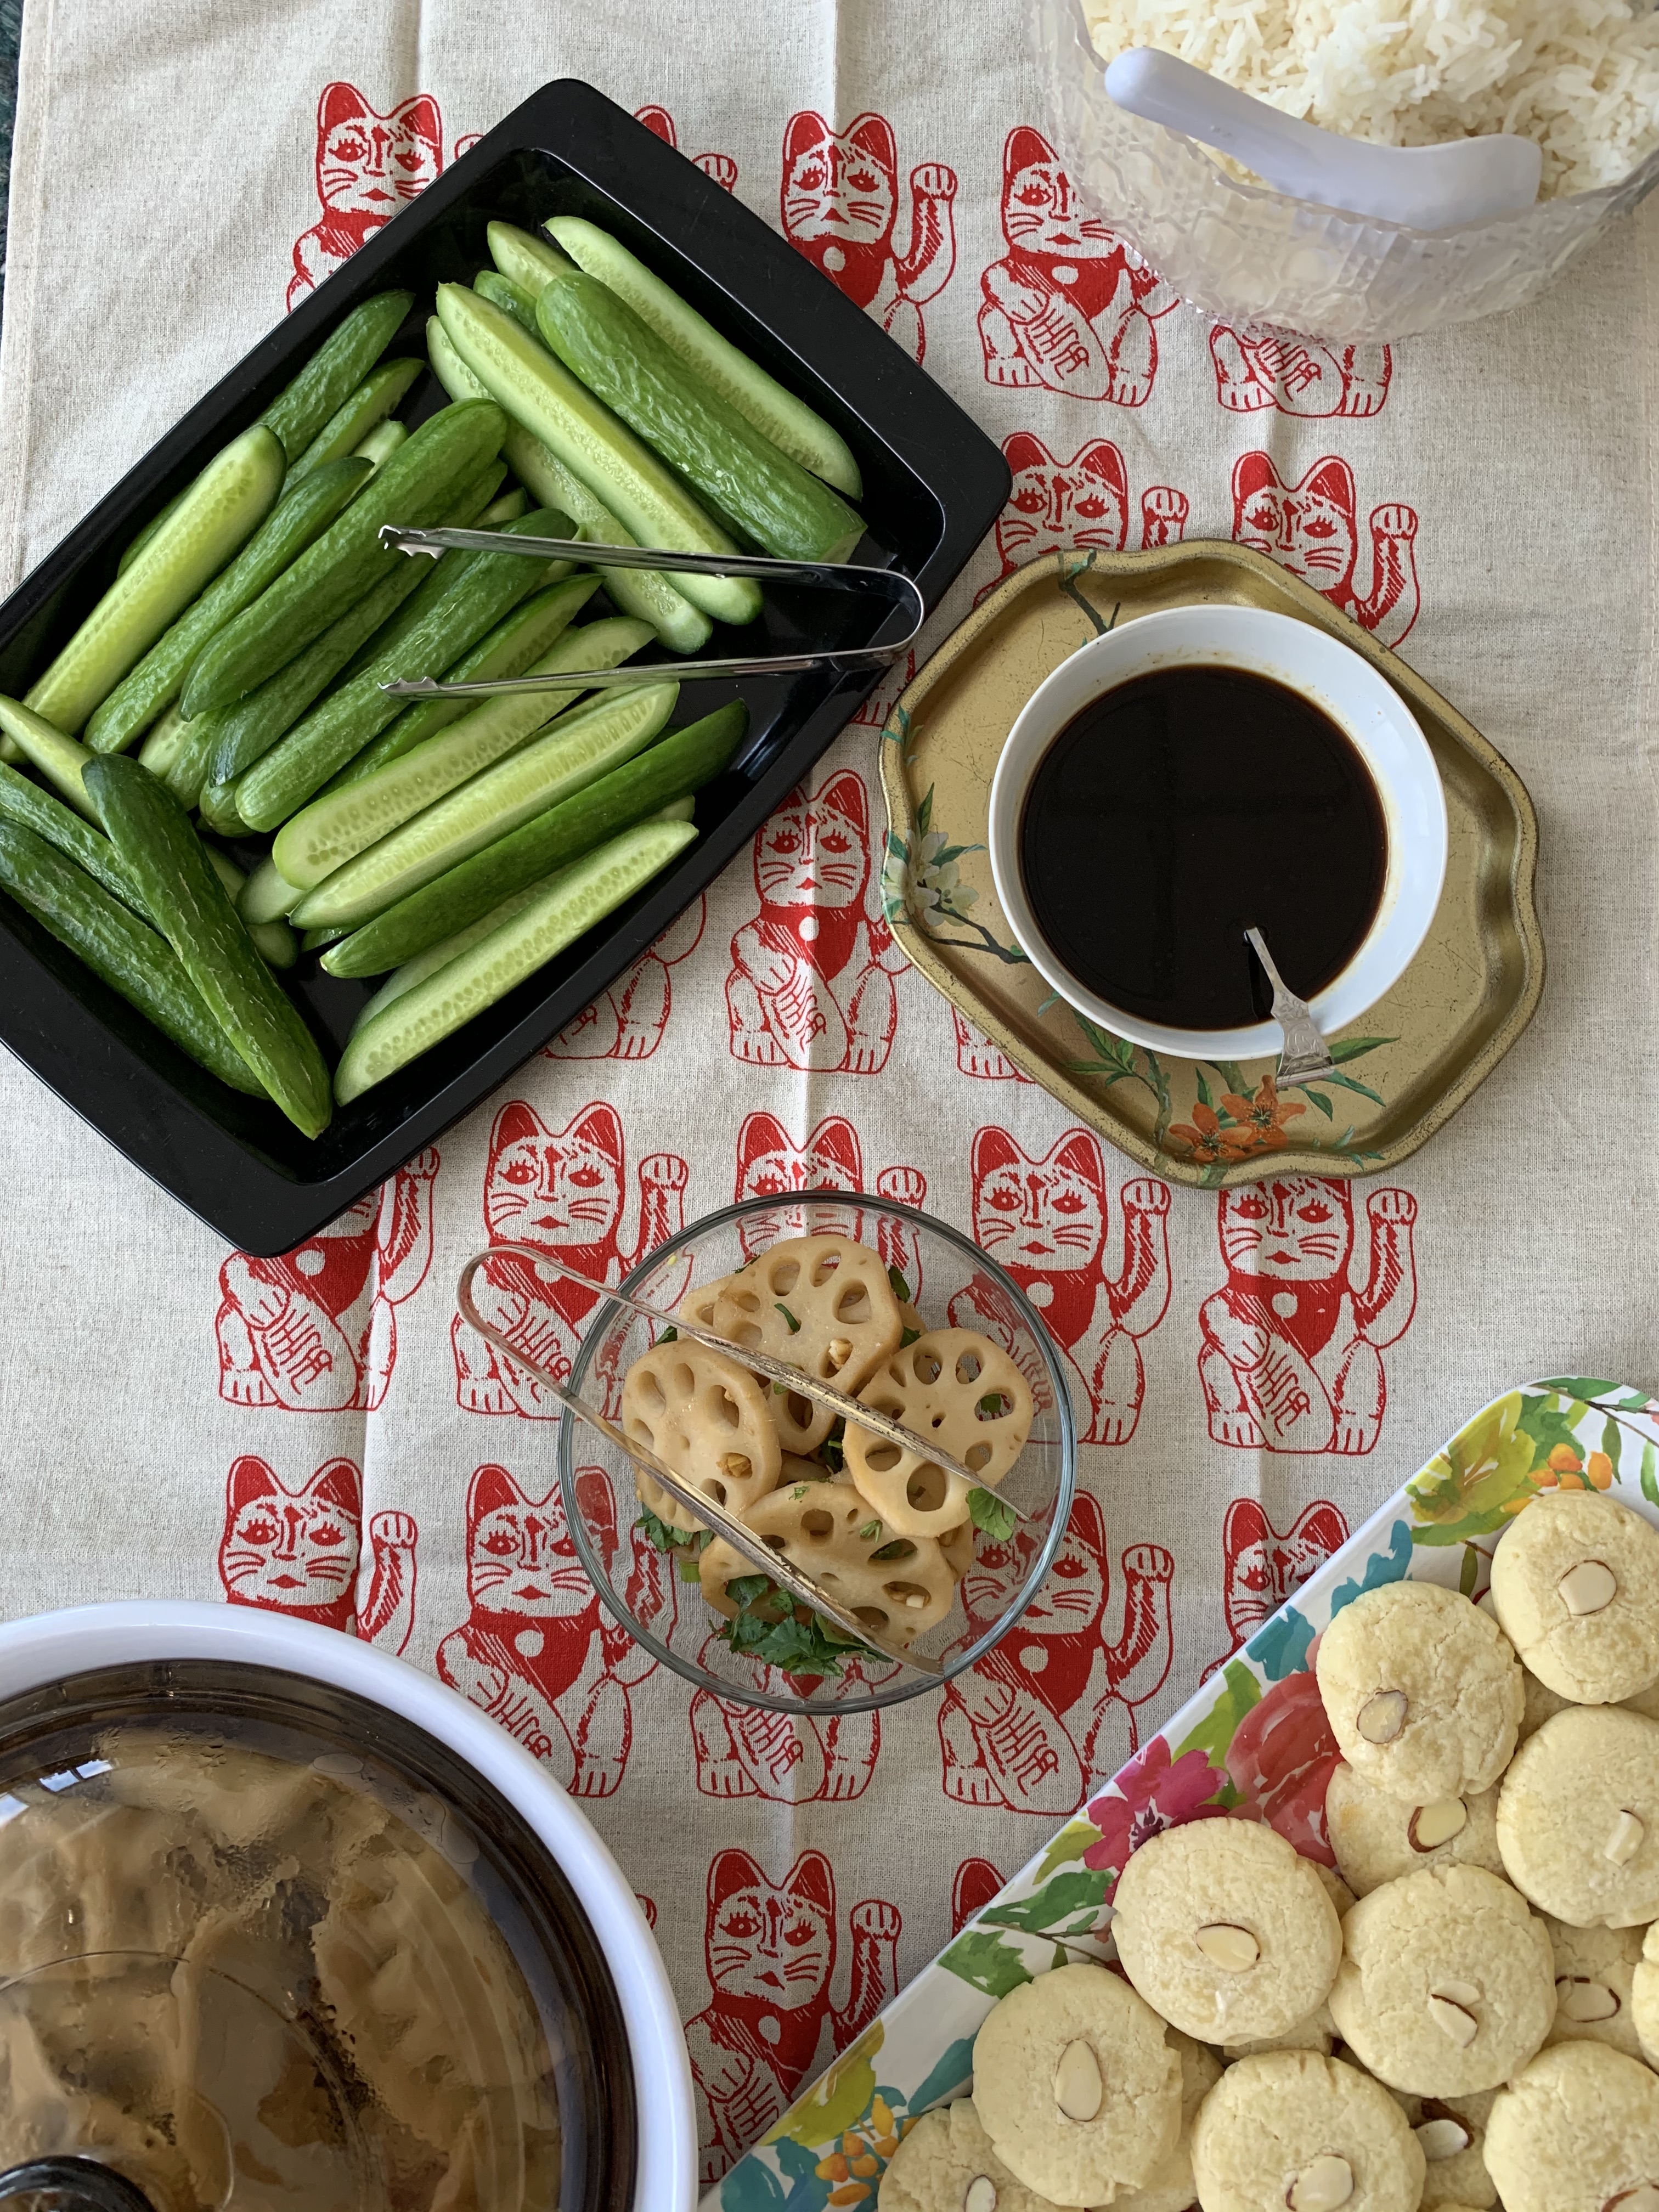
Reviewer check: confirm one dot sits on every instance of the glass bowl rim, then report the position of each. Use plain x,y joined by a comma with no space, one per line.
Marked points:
910,1684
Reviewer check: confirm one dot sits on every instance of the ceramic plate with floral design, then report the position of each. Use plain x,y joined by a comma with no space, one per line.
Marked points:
1254,1743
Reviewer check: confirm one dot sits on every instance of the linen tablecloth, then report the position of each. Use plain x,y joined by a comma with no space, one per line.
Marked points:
315,1435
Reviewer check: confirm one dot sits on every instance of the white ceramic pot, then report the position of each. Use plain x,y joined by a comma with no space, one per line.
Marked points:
54,1646
1363,704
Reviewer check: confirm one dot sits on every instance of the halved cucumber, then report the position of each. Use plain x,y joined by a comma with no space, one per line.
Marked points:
528,260
61,760
621,360
217,515
578,749
273,941
439,955
643,592
337,367
335,828
512,299
565,909
381,443
789,422
266,896
542,396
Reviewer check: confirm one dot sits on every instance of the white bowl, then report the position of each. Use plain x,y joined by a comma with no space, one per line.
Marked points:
54,1646
1362,703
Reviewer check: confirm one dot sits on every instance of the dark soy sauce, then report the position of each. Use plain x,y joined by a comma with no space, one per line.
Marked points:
1182,808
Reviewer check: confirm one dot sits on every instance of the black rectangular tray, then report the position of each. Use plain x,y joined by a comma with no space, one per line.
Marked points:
933,485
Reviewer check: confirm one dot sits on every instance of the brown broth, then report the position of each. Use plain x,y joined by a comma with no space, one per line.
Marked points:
1184,807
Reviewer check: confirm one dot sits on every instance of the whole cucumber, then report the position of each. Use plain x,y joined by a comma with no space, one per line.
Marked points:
151,832
301,516
120,950
623,361
349,559
25,803
337,367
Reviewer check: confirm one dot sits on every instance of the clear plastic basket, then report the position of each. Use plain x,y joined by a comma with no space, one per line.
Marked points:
1253,256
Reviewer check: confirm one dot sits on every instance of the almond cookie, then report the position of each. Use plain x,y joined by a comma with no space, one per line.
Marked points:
1447,1983
1225,1931
1644,1998
1316,2033
1578,2131
946,2164
1376,1836
1451,2133
1575,1585
1170,2188
957,1386
1578,1818
1292,2129
1595,1973
822,1303
706,1418
900,1586
1422,1691
1077,2086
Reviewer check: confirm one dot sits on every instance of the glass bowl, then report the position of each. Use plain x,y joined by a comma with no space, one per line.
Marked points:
951,1282
1248,255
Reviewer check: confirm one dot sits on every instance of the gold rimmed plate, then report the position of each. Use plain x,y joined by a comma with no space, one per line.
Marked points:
1401,1071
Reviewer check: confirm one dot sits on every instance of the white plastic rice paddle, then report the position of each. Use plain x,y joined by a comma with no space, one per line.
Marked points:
1418,187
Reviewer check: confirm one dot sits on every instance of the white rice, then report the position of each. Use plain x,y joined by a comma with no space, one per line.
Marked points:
1581,76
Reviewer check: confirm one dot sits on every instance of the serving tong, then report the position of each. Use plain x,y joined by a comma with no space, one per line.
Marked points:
828,576
707,1510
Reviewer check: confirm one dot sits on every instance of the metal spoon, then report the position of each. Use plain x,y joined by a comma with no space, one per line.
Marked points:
1306,1055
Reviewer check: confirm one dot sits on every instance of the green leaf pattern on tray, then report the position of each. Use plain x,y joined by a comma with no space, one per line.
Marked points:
1254,1742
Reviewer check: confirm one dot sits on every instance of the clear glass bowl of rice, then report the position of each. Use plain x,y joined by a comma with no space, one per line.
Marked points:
1258,259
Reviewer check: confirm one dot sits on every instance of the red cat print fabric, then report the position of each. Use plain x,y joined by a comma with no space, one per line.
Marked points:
720,166
1046,1221
746,1751
627,1022
1312,527
368,167
1069,307
977,1056
771,1165
537,1652
1292,1358
811,979
297,1552
840,206
314,1330
872,714
1053,1708
1260,1568
770,1947
1079,503
565,1191
1297,375
976,1883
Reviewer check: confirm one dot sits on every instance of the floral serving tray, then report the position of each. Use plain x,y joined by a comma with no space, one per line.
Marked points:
1253,1743
1460,1005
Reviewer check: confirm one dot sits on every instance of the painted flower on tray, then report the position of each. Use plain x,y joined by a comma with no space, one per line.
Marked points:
1155,1793
1243,1128
937,890
853,2169
1204,1137
1281,1759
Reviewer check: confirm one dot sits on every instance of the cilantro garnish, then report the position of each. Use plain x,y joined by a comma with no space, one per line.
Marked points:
901,1288
989,1512
771,1628
870,1528
991,1405
669,1336
794,1326
666,1538
834,1448
909,1337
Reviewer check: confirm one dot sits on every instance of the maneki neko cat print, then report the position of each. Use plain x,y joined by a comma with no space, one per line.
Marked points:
537,1652
368,167
811,985
297,1552
839,204
565,1192
1296,376
1069,307
744,1750
1054,1707
1311,527
1261,1569
1292,1359
770,1948
627,1021
1046,1221
720,166
1081,503
823,1177
314,1330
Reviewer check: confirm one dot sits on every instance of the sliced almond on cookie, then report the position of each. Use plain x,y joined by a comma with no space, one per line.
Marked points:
1078,2089
1322,2186
1579,1999
1431,1825
1627,1839
1455,2022
1234,1949
980,2195
1590,1587
1381,1718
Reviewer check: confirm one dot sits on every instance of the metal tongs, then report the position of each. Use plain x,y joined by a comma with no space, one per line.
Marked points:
829,575
706,1509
